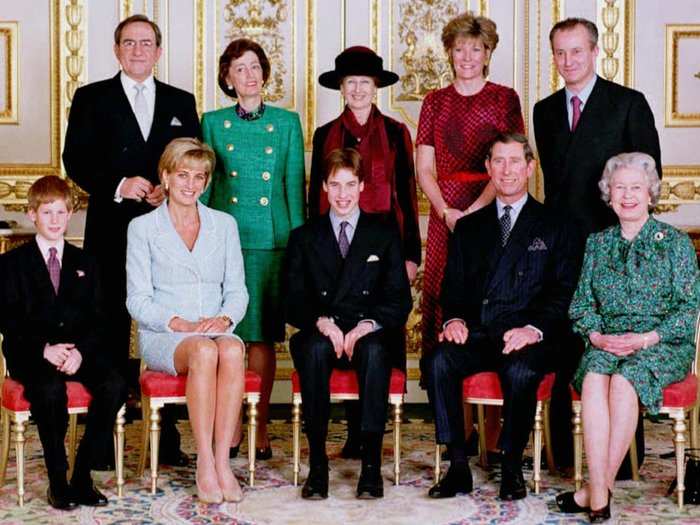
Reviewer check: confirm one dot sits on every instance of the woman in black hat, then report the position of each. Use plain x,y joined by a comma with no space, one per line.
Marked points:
387,163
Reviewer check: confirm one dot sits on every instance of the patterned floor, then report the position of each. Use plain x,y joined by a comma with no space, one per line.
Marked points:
274,500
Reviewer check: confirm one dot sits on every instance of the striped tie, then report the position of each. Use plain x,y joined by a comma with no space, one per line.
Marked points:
54,269
505,225
343,242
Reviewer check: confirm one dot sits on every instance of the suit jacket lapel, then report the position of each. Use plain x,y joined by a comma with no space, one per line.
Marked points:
170,242
517,244
40,273
326,247
354,260
160,112
593,112
69,271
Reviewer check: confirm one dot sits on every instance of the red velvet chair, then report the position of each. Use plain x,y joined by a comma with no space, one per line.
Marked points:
15,409
679,399
344,386
159,389
484,388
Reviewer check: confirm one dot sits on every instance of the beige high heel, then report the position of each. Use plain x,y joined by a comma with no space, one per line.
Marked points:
214,497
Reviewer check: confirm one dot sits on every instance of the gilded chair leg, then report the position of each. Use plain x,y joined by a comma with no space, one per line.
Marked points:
483,453
155,441
679,429
296,431
437,462
19,455
119,451
145,425
548,440
578,445
72,440
5,453
634,463
693,426
537,448
397,443
252,429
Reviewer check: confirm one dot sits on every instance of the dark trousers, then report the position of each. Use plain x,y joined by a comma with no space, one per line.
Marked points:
315,359
45,389
520,373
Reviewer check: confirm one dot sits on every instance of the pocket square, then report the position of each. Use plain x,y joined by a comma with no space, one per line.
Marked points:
537,245
175,122
372,258
80,273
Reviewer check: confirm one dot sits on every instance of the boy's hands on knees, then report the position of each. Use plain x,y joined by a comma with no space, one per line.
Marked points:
58,353
328,328
72,363
362,329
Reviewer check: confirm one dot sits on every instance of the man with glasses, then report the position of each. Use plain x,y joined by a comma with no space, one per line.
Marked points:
117,130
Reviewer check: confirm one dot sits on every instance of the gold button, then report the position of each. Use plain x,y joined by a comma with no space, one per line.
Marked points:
268,150
266,175
234,173
270,128
264,201
227,124
234,200
229,147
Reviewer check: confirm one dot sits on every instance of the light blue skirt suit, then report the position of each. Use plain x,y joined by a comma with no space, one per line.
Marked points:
166,280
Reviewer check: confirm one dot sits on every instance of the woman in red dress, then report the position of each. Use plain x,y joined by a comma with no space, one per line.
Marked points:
456,126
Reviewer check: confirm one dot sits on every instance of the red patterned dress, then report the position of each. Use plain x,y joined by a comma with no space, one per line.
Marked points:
460,128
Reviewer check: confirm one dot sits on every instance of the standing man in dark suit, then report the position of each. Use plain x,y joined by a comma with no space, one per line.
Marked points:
117,130
347,289
577,130
510,274
53,323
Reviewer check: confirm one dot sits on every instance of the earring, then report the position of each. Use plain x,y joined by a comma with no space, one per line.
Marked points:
229,86
165,186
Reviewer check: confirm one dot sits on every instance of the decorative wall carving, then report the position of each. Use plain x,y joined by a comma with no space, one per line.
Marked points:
682,86
9,69
616,42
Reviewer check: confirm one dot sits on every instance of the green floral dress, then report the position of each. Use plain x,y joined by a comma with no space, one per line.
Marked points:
649,283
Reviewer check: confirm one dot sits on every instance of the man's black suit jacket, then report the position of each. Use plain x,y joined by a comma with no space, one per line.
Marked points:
530,281
32,315
615,120
370,283
104,144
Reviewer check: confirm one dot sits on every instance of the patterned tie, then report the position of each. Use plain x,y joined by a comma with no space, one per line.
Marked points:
576,113
505,224
343,242
141,110
54,269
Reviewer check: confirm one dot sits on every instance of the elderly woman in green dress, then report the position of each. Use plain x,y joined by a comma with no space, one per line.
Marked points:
259,179
635,306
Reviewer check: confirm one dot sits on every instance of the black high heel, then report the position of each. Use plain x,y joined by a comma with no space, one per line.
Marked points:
568,505
600,515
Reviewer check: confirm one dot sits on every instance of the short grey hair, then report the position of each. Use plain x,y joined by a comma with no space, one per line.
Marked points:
641,162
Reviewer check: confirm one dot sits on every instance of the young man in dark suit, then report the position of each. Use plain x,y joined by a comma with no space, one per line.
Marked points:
117,131
510,274
52,321
577,130
347,289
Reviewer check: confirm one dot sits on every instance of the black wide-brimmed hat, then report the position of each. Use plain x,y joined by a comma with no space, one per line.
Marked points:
361,61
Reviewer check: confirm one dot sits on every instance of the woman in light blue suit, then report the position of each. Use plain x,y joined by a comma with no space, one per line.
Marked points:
186,290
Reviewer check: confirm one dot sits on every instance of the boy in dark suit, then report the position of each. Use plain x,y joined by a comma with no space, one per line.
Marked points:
52,323
346,289
511,271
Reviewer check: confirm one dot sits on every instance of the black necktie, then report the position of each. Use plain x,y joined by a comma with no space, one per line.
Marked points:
505,224
343,242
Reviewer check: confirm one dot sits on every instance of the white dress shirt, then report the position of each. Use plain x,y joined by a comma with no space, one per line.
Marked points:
583,96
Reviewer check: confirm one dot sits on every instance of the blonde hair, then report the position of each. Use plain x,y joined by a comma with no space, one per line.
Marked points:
48,189
186,151
467,25
641,162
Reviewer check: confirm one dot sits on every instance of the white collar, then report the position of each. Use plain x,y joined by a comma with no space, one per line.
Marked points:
44,246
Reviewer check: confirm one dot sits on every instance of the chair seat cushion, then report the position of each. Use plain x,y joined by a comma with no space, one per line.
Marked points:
344,382
160,384
13,395
682,394
486,385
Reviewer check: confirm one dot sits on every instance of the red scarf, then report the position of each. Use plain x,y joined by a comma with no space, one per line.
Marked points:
371,141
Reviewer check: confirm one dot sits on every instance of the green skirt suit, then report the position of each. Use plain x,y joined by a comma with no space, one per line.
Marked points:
259,179
649,283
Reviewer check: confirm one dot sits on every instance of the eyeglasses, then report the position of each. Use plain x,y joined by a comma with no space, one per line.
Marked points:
143,44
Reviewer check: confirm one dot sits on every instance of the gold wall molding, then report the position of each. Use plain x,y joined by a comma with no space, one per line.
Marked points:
555,81
680,185
673,116
200,53
374,26
9,41
310,103
616,25
15,178
126,9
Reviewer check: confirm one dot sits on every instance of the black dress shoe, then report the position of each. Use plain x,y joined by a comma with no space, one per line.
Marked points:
89,496
352,449
600,515
263,452
61,499
371,484
456,481
316,484
512,482
233,451
568,505
174,459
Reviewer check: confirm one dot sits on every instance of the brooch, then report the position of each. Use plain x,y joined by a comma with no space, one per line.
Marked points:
659,235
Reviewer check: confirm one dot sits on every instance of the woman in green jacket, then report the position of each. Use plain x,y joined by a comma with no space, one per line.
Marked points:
259,179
